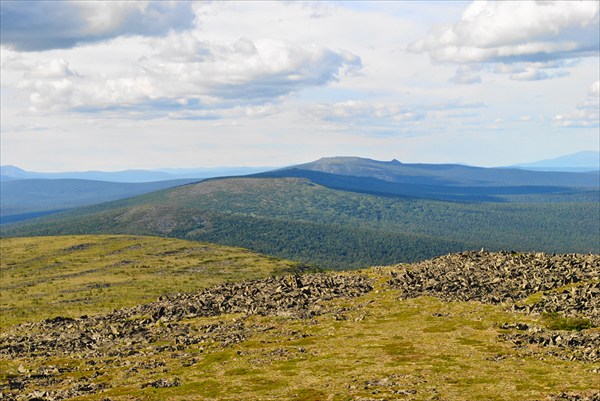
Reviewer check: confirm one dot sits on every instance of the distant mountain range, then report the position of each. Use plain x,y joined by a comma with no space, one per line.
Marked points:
581,161
351,212
443,174
450,182
10,173
26,199
576,162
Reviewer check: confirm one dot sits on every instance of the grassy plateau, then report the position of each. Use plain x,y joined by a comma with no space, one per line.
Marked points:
376,346
83,275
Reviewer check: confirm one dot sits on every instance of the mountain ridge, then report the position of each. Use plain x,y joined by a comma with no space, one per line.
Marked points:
580,161
583,161
23,198
351,212
445,174
11,173
300,220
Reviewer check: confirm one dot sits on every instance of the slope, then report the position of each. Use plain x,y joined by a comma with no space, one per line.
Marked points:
23,199
450,182
448,174
380,333
87,275
299,220
446,192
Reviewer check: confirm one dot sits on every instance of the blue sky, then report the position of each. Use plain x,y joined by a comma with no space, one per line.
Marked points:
118,85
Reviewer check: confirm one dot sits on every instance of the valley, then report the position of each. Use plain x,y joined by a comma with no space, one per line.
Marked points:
29,198
299,200
338,280
298,219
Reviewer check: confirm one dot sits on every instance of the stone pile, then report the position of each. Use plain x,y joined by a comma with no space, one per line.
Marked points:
493,277
569,285
125,331
582,300
571,345
289,295
575,397
147,331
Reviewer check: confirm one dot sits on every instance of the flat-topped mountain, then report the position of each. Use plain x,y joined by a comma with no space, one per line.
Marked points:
446,174
450,182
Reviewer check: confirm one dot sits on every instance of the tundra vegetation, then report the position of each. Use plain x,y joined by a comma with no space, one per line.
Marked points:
131,318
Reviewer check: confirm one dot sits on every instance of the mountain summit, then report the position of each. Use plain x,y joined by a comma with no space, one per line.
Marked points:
438,174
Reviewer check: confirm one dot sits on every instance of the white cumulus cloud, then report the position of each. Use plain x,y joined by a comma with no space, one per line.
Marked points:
516,32
36,25
587,114
364,112
184,72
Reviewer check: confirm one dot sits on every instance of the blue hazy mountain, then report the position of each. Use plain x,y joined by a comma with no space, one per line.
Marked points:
26,194
11,173
450,182
25,199
580,161
444,174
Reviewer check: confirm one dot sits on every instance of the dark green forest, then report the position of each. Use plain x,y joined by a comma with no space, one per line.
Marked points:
297,219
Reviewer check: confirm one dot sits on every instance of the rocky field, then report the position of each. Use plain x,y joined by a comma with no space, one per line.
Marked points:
567,288
476,325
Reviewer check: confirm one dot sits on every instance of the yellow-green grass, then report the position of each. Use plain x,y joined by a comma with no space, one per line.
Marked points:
374,347
42,277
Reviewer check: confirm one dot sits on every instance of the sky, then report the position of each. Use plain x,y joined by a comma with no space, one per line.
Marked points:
113,85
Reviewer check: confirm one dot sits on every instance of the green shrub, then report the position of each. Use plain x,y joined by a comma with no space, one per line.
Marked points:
554,321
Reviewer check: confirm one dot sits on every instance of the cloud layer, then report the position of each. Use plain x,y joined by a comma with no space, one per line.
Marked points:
517,31
587,114
107,85
526,37
42,25
185,72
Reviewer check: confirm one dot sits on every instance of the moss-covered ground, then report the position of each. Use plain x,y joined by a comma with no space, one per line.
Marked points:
71,276
374,347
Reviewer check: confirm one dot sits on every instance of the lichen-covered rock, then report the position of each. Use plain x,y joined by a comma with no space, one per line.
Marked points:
493,277
570,345
575,397
581,300
569,286
126,331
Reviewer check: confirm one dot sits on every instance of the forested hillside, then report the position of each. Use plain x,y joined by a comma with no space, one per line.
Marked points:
300,220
